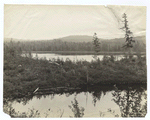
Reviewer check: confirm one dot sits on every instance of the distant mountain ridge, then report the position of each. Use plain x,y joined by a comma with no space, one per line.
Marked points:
77,38
86,38
83,38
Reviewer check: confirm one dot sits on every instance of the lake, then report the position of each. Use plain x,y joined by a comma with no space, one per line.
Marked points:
74,58
96,101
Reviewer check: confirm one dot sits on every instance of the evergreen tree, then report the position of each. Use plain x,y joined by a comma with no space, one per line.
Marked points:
96,43
128,33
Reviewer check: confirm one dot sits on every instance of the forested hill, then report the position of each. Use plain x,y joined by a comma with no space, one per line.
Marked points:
81,38
85,38
77,38
76,43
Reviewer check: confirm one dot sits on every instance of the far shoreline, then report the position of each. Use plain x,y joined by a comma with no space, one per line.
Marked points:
83,52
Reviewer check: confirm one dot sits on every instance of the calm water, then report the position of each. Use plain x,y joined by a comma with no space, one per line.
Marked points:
88,58
95,102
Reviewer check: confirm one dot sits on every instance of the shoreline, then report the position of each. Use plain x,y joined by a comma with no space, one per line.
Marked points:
82,53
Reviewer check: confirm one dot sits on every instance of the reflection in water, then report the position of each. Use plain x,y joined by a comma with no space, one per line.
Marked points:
132,102
39,96
100,101
96,96
77,111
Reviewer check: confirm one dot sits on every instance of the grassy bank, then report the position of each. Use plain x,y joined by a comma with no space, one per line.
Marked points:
83,52
22,75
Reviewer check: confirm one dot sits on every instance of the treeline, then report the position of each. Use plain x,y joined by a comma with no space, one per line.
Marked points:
59,45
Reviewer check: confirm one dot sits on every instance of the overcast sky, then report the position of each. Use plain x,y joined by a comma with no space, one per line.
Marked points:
50,22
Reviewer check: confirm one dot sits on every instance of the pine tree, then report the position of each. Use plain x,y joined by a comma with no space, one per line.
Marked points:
128,33
96,43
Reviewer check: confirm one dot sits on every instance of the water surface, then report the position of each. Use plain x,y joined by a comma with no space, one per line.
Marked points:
96,103
88,58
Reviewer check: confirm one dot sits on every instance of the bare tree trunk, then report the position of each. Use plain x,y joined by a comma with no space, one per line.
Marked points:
87,75
130,52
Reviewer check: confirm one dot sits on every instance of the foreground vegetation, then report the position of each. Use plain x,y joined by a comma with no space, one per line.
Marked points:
22,75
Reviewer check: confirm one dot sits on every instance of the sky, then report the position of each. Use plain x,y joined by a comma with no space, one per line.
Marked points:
37,22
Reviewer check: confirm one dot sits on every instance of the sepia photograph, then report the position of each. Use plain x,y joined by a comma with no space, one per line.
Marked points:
73,61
